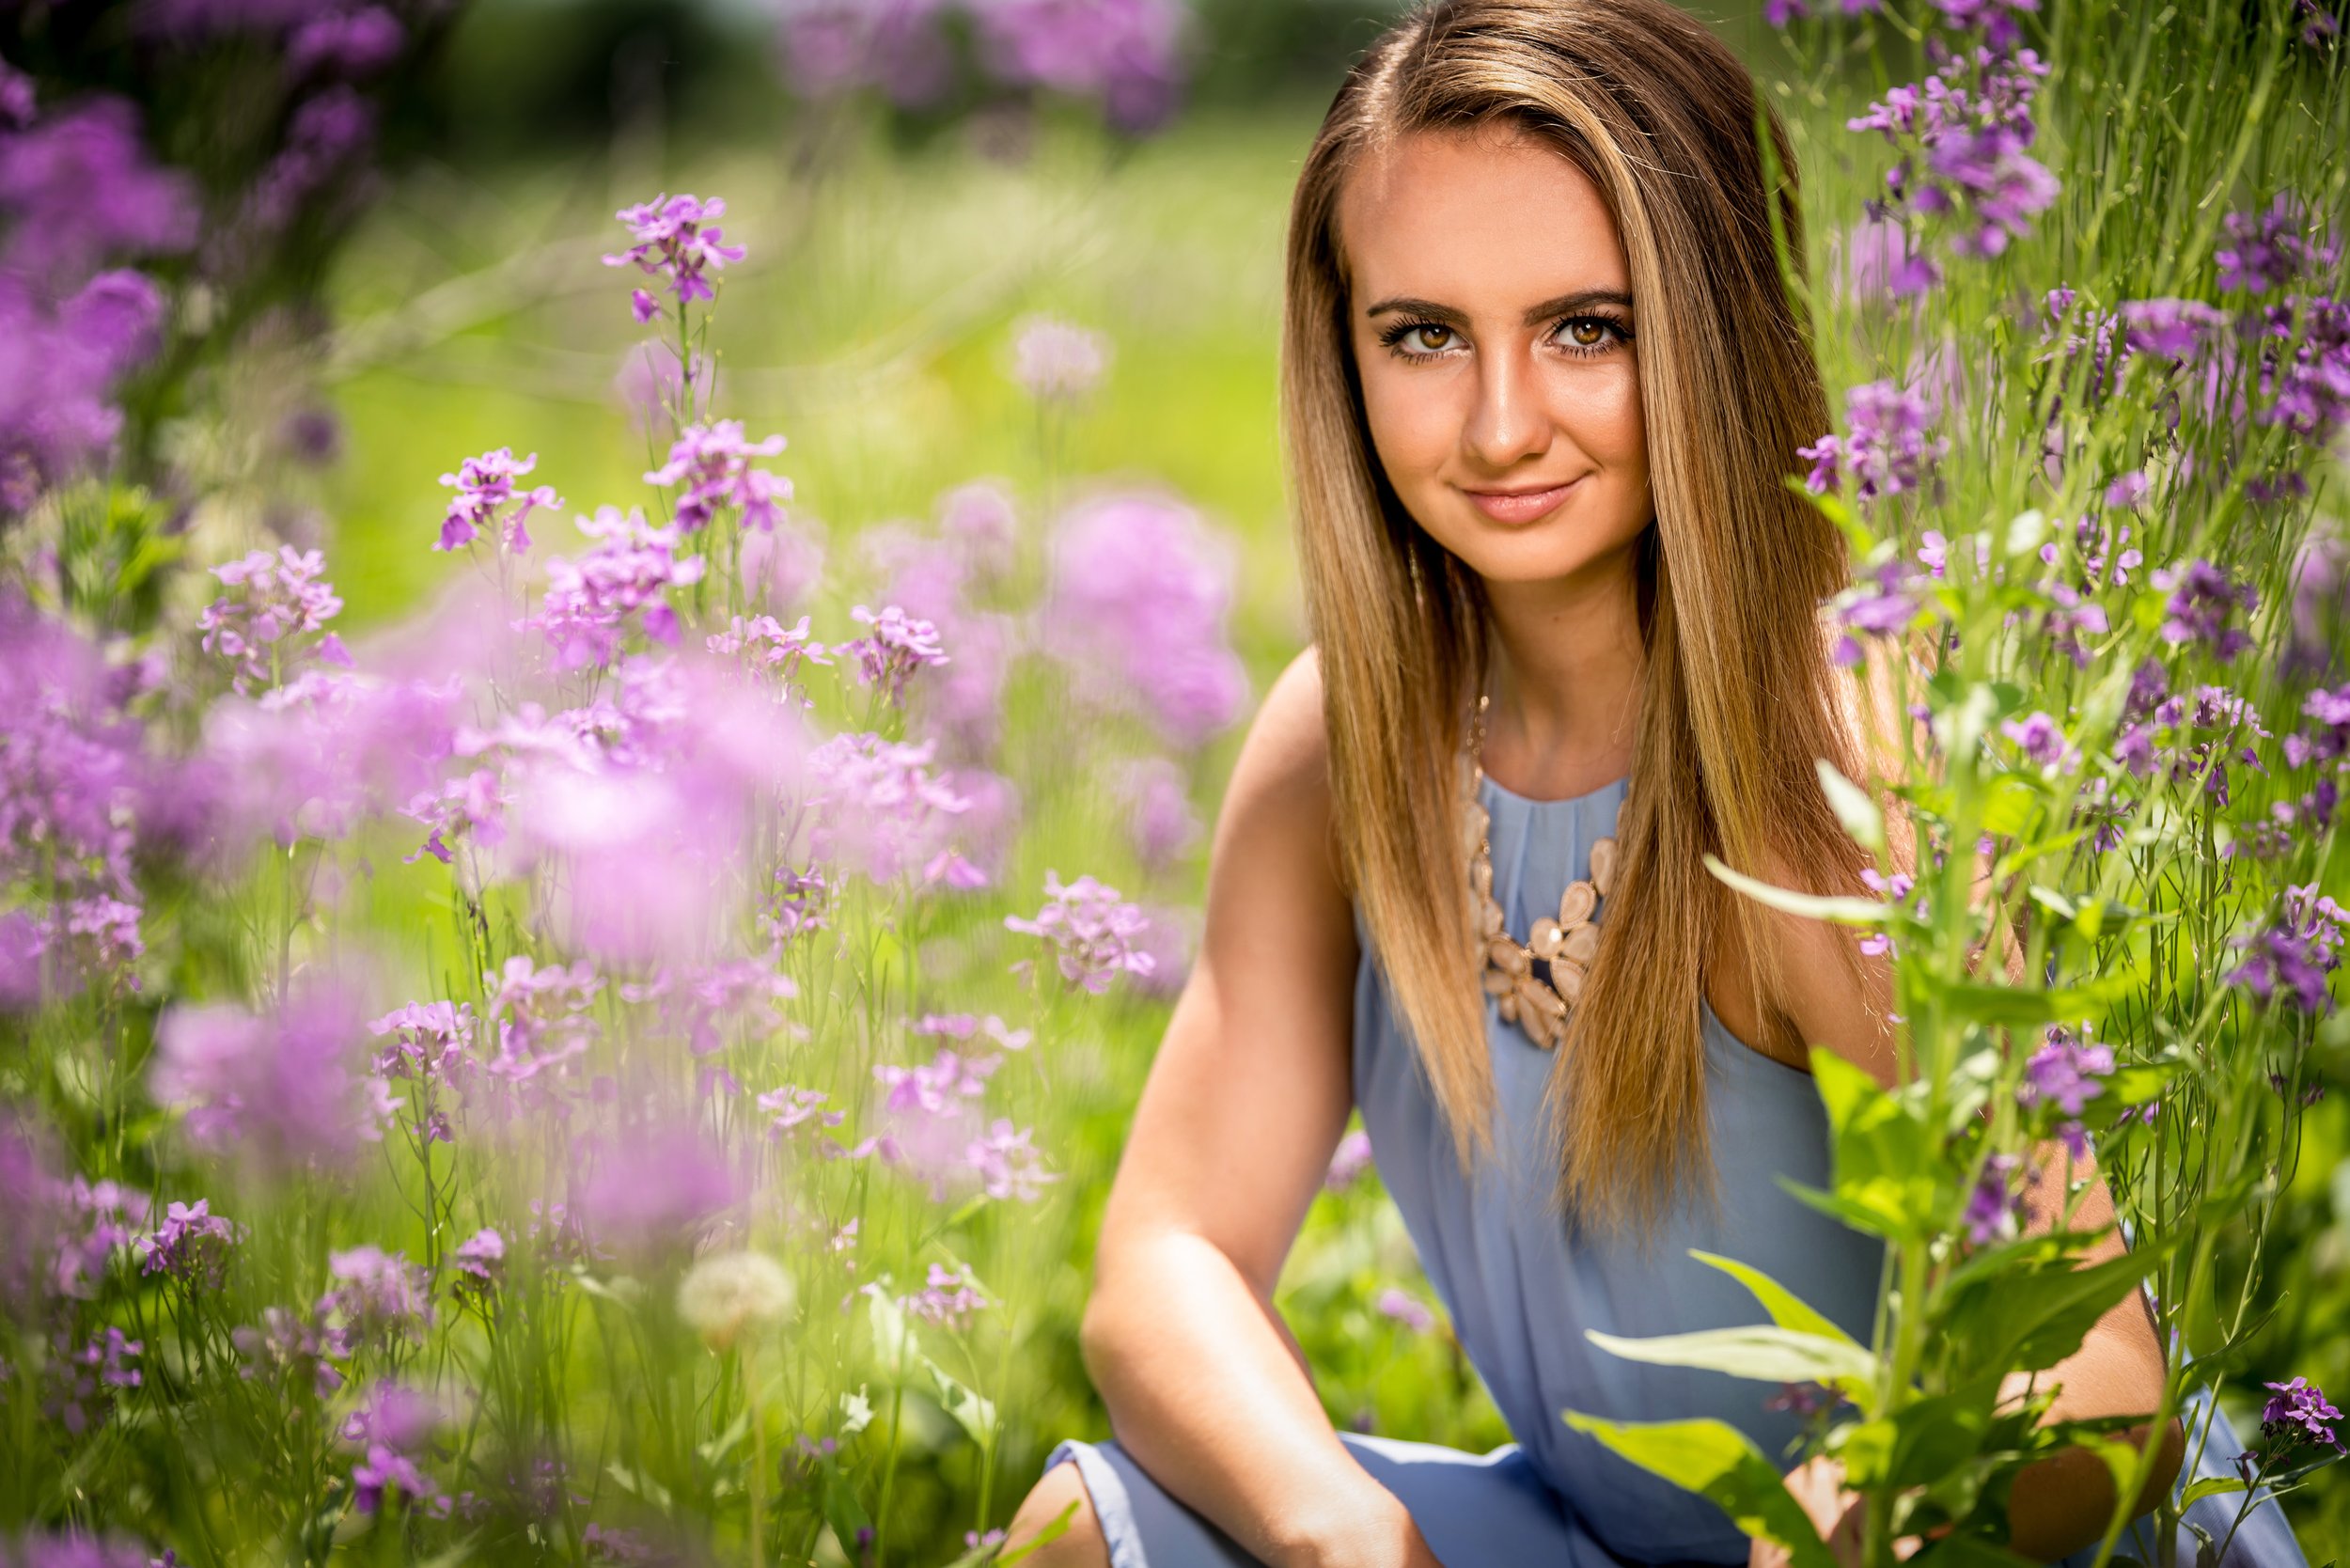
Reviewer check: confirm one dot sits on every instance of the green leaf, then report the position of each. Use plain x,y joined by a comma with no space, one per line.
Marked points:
1055,1528
2008,1007
2211,1486
1771,1355
1787,1309
1885,1159
893,1336
2010,804
972,1414
1717,1461
1842,911
842,1512
2029,1318
1853,807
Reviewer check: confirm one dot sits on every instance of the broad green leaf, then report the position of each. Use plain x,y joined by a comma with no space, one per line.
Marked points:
1853,806
1787,1309
972,1414
1716,1461
842,1512
2029,1319
2211,1486
1919,1443
1885,1159
2010,804
2010,1007
1763,1354
1842,911
1055,1528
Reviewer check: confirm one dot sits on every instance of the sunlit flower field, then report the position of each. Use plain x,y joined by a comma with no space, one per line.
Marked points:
606,754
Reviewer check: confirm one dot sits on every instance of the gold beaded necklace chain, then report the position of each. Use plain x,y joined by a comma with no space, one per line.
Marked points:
1537,980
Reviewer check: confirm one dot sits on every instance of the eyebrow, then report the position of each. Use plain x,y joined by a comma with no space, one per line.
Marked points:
1582,299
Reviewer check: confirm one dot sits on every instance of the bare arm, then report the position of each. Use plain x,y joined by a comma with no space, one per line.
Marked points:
1236,1129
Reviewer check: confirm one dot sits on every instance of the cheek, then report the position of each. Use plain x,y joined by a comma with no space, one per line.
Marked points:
1413,426
1606,420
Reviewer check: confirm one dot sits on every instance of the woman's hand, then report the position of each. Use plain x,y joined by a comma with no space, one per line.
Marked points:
1840,1516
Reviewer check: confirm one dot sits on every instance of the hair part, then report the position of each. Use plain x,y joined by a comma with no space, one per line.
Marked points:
1738,697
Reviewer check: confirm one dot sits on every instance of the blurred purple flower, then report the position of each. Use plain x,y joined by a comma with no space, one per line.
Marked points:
1992,1210
798,1108
282,1086
654,1187
323,139
478,1264
1127,54
1007,1162
590,602
1093,933
78,189
1056,361
2169,328
2203,602
1401,1307
2065,1072
1878,262
487,502
345,43
1970,122
1139,593
2271,249
84,1379
272,600
773,652
2290,961
948,1297
896,646
712,465
1882,608
19,102
373,1298
58,369
836,46
1348,1162
675,240
191,1245
650,389
1160,822
2040,738
879,809
1887,451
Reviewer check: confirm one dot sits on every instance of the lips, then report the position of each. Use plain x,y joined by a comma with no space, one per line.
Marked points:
1519,506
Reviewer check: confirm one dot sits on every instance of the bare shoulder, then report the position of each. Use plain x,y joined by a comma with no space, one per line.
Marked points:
1279,800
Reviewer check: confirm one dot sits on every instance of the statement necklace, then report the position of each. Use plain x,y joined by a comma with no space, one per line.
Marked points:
1537,980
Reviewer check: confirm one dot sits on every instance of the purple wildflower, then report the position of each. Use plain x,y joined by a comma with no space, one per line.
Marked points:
2290,960
836,46
712,465
479,1263
1888,450
2270,249
2065,1072
271,599
375,1297
1125,55
1401,1307
1992,1210
487,502
2203,600
1348,1162
1882,609
676,241
896,646
590,602
1160,822
324,138
773,652
345,44
18,99
798,1108
882,811
2298,1414
2040,738
191,1245
1007,1162
2169,328
655,1188
80,190
948,1297
281,1085
1058,361
1093,933
1140,589
1970,122
1880,261
85,1379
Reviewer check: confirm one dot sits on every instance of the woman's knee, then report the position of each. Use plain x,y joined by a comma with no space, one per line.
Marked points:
1082,1545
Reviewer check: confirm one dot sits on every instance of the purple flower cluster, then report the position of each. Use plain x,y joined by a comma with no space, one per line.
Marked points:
1993,1207
191,1246
279,1085
2203,602
1969,124
1125,54
674,238
2298,1414
1160,822
488,503
376,1297
712,465
896,646
1887,451
272,598
772,650
391,1430
2288,962
2271,249
1139,593
1883,605
1095,935
885,814
948,1297
1349,1161
1058,361
84,1378
1401,1307
794,1108
592,603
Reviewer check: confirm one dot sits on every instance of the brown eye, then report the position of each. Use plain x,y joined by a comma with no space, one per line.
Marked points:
1432,339
1587,333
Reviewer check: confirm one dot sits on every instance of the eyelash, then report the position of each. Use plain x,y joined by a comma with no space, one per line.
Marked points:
1392,337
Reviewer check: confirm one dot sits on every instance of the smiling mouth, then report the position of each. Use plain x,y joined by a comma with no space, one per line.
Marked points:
1520,505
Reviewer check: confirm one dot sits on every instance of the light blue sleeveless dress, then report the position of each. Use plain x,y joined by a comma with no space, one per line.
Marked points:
1522,1286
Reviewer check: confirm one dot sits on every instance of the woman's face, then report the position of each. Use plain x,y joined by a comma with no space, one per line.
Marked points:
1491,314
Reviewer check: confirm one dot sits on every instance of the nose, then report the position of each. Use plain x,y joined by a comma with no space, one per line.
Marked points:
1509,423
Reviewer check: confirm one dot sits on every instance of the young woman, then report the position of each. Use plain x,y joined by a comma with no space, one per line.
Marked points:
1540,386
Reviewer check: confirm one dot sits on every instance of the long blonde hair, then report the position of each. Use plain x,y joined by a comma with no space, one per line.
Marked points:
1738,697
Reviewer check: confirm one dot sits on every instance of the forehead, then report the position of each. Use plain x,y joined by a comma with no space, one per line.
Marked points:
1489,215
